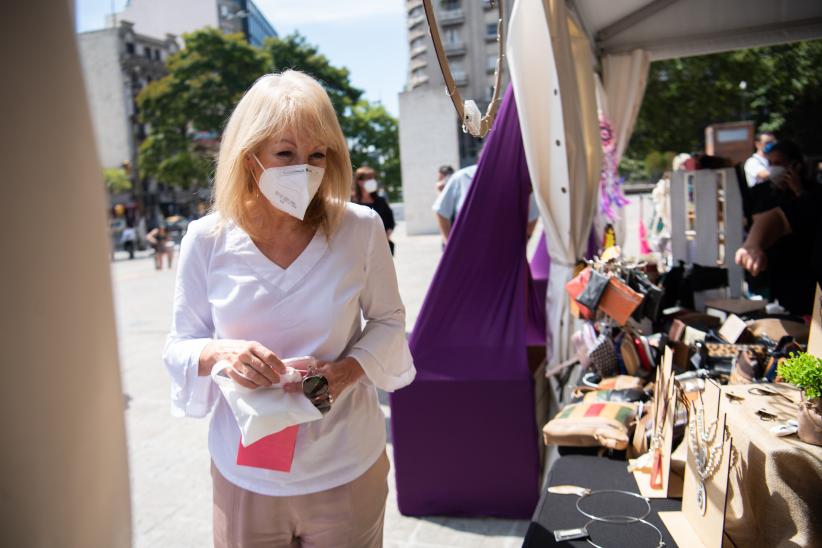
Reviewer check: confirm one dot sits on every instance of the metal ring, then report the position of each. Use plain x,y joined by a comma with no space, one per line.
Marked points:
614,519
643,521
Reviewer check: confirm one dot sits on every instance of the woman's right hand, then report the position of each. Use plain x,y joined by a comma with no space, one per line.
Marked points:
251,364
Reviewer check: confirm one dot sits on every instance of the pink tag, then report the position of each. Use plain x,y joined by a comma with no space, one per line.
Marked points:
273,452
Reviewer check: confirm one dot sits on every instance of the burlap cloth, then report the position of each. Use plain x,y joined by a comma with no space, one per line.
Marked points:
775,488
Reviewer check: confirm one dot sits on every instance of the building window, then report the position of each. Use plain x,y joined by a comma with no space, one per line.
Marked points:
491,30
491,62
415,12
130,48
446,5
157,56
452,36
148,52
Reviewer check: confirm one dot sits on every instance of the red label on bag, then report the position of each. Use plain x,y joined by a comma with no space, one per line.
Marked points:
273,452
594,410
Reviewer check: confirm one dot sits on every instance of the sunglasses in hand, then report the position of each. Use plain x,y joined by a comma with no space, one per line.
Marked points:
315,388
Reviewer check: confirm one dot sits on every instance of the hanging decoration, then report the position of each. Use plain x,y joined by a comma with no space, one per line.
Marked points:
472,120
611,198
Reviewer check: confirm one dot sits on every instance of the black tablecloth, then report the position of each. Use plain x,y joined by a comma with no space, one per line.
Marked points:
560,512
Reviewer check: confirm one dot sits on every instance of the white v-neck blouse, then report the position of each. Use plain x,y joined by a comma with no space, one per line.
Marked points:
227,289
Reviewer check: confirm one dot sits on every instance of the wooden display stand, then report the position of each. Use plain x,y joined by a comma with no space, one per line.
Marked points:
671,484
706,211
691,527
815,337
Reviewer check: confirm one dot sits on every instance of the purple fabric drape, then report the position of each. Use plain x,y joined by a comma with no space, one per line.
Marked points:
464,433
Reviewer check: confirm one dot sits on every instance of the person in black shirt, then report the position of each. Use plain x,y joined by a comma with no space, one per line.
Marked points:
365,193
802,218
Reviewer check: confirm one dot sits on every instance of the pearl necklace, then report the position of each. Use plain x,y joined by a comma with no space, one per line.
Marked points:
707,454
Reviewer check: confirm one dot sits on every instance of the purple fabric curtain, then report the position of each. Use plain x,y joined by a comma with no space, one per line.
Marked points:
464,433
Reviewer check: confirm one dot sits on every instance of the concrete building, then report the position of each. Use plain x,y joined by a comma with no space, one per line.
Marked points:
468,30
158,17
117,63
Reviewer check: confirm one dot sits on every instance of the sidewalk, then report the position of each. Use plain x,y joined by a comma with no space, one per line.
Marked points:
169,462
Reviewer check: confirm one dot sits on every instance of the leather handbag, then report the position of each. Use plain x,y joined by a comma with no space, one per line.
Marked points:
603,357
574,288
619,301
591,296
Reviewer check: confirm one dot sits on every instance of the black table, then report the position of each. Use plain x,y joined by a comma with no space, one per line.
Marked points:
560,512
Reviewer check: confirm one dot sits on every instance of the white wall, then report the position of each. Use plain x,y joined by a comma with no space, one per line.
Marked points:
107,95
428,139
160,17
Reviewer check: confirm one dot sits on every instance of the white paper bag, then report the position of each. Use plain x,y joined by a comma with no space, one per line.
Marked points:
263,411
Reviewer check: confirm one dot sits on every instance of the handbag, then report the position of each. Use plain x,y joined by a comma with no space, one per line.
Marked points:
594,290
574,288
603,357
591,424
619,301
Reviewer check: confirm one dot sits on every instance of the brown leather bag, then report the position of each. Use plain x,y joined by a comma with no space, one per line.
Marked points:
619,301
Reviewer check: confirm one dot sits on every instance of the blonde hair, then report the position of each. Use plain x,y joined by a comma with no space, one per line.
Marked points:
275,104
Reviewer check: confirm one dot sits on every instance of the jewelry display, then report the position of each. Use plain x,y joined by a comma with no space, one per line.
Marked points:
614,519
707,451
660,544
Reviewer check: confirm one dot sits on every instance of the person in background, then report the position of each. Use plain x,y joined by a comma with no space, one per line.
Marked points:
443,174
161,243
782,233
449,203
366,193
129,240
756,167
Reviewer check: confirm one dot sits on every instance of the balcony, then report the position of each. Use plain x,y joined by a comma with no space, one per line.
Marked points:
451,17
418,64
415,20
453,49
417,33
417,81
419,50
460,77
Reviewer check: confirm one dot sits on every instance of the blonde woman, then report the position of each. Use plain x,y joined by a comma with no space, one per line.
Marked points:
285,267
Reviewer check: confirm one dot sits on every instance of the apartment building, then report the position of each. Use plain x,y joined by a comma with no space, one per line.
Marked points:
430,133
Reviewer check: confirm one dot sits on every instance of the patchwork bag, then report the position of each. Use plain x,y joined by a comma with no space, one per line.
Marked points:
588,424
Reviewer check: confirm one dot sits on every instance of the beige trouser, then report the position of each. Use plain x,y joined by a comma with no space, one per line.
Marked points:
350,515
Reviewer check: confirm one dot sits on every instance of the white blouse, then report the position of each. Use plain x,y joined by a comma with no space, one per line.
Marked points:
227,289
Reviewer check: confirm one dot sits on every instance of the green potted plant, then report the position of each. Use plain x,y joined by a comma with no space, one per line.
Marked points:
805,371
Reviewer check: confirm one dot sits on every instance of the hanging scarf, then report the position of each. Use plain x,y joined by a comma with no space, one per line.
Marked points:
611,198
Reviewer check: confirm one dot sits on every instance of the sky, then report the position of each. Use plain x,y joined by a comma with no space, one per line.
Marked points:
366,36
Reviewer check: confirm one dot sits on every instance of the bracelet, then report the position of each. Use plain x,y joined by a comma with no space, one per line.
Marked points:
661,543
614,519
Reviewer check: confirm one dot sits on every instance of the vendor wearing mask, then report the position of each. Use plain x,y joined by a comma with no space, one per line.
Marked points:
782,238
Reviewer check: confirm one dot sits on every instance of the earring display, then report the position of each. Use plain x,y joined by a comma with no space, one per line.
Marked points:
706,450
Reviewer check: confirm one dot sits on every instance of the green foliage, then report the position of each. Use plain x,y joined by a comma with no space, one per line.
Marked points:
294,52
208,78
657,163
783,93
805,371
116,179
374,141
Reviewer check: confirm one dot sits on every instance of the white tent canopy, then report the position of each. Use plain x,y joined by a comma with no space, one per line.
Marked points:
680,28
554,85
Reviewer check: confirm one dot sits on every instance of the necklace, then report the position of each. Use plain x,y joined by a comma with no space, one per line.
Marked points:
706,450
660,543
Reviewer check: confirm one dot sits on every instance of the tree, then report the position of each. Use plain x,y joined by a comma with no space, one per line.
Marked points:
116,179
782,93
375,142
186,110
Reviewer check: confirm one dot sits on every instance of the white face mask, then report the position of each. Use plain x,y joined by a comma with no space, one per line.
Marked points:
370,186
290,188
777,175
